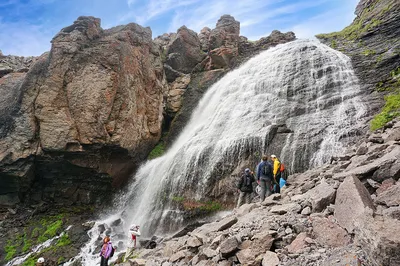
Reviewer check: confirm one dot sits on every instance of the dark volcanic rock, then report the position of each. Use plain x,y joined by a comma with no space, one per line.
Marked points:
372,43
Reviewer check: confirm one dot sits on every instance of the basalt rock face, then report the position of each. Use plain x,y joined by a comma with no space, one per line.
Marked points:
372,43
84,116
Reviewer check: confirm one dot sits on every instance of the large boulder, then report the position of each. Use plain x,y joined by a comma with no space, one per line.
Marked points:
380,239
88,113
353,202
321,196
328,233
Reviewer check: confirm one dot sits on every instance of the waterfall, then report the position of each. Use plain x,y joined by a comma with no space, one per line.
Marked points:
304,85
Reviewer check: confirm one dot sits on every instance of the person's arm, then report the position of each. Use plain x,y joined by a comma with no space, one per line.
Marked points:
276,167
108,251
240,183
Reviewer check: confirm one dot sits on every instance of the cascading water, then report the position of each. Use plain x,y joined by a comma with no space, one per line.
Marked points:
305,85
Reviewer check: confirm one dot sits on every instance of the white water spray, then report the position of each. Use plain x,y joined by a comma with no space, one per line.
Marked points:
304,85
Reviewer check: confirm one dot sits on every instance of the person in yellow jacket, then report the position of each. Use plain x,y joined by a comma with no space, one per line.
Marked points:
277,173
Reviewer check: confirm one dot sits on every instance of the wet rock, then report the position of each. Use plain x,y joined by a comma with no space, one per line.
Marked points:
270,259
352,200
228,247
180,255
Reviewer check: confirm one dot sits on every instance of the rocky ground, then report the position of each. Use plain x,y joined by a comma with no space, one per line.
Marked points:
343,213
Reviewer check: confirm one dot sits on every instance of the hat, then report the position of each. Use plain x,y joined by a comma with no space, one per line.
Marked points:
273,156
40,260
247,170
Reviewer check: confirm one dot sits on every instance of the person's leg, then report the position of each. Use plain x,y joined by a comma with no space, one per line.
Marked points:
278,188
106,262
102,262
263,190
241,199
268,184
248,197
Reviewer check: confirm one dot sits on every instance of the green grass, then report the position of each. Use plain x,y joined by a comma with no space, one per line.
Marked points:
51,231
368,52
158,150
361,25
211,206
63,241
31,261
395,72
389,111
10,250
178,198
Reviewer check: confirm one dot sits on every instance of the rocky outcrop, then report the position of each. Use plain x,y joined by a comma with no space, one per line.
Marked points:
86,115
15,64
184,52
371,42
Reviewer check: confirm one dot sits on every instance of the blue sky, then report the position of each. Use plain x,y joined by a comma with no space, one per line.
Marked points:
27,26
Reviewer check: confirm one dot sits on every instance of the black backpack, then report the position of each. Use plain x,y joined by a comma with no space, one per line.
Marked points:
266,169
112,252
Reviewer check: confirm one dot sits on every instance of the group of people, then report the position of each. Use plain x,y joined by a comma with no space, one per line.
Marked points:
107,249
269,178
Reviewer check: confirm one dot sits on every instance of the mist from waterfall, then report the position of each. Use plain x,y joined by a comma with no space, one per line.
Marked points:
304,85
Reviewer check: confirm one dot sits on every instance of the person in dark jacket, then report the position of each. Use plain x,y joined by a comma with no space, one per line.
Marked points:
245,187
264,177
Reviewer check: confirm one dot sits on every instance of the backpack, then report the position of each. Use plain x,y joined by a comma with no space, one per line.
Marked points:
247,180
112,252
266,169
282,168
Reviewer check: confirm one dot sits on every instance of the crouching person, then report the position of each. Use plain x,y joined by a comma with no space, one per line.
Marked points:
245,187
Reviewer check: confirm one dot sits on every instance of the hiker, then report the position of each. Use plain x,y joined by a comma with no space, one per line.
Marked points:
106,251
245,187
40,262
277,173
134,233
264,177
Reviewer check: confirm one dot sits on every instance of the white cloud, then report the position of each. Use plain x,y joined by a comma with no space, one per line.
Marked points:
24,40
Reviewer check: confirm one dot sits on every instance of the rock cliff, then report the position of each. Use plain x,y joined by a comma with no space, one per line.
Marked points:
84,115
372,43
77,124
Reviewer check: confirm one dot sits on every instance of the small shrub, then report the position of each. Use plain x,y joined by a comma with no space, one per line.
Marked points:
158,150
389,111
178,198
51,231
